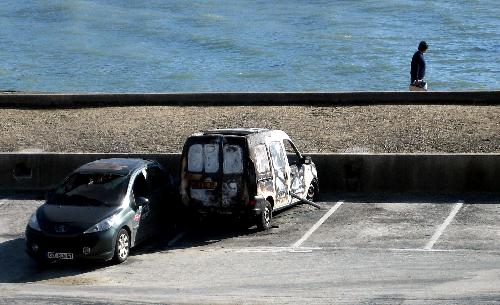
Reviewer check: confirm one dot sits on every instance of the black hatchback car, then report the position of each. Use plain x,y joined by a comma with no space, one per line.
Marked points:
100,211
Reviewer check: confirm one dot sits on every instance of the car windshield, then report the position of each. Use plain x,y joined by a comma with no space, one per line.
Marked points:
91,189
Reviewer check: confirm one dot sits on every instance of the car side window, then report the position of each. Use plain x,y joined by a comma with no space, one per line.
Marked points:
157,179
140,186
292,154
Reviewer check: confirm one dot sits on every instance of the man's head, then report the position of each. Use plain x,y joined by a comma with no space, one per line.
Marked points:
422,46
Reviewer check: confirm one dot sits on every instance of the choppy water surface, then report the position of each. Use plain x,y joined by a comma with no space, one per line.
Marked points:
207,46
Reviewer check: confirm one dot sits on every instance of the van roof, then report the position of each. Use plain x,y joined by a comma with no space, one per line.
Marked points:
253,135
234,131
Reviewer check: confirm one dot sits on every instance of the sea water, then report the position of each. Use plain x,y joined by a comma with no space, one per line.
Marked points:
240,46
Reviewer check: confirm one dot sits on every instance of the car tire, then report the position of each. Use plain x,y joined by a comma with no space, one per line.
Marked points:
313,191
122,246
265,217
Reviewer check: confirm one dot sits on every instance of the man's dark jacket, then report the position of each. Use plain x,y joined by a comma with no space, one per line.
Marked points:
417,66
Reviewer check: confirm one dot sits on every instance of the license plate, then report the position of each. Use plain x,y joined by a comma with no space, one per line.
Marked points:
55,255
210,185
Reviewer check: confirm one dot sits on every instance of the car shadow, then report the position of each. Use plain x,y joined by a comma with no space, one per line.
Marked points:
18,267
197,233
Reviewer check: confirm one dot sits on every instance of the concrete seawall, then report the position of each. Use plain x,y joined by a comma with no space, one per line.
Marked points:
48,100
427,173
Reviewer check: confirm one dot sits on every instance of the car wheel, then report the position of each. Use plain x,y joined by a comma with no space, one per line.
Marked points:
313,191
265,217
122,246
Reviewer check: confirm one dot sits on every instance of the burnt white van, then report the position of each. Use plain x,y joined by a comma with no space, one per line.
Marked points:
248,172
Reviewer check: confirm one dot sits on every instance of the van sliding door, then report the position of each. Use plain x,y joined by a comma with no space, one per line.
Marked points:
281,174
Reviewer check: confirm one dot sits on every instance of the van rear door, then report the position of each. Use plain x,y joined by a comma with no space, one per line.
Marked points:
201,180
234,178
214,172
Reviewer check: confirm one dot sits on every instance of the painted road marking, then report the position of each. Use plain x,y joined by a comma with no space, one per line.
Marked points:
443,226
276,249
312,249
317,225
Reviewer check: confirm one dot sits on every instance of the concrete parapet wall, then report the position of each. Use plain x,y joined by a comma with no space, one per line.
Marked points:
421,173
46,100
43,171
427,173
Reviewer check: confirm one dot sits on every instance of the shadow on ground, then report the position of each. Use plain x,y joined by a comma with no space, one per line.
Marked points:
17,267
199,233
469,198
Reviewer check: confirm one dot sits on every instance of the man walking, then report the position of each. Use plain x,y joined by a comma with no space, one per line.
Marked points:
418,69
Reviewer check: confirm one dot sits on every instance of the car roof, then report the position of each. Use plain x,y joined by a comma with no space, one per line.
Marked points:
119,166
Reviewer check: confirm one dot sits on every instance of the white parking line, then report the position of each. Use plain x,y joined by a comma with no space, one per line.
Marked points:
275,249
368,249
317,225
443,226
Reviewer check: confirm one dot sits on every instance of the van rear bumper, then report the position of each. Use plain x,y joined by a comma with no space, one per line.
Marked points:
248,210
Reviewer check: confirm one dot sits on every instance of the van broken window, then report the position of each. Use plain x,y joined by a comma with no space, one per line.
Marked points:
203,157
233,159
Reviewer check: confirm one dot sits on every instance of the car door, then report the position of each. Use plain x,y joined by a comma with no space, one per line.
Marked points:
281,172
159,186
143,218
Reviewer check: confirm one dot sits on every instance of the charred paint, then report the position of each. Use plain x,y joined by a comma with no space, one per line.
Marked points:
298,182
226,168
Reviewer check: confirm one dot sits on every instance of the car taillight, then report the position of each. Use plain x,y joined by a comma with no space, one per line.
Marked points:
252,202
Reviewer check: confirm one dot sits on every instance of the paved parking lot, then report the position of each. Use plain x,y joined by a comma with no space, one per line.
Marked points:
355,250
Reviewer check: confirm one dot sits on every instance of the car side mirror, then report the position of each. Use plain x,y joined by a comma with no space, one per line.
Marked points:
306,160
141,201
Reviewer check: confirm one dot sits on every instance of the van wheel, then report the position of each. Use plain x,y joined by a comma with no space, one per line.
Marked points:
265,217
122,246
313,191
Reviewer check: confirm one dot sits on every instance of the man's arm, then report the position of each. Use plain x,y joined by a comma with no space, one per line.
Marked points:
421,67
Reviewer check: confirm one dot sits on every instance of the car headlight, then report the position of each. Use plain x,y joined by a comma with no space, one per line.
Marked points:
103,225
33,223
